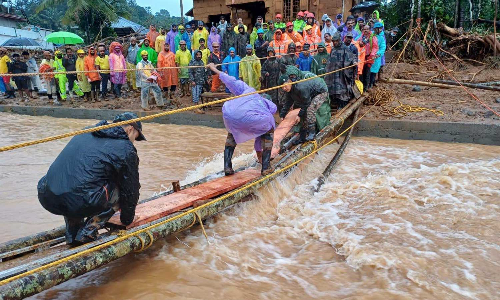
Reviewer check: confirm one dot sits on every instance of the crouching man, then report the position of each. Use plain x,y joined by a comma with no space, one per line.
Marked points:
94,176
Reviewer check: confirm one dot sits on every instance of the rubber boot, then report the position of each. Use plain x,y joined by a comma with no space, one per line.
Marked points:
311,132
266,163
302,136
228,156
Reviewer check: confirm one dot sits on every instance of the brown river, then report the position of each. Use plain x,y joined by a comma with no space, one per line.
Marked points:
395,220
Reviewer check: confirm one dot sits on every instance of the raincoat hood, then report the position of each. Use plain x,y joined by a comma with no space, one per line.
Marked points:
282,36
292,70
112,133
113,45
376,12
196,52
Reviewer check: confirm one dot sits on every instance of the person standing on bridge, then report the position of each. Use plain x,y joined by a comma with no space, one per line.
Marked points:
245,118
94,176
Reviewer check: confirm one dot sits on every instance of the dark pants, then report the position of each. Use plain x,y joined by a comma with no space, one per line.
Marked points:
71,80
104,83
172,88
94,85
79,230
118,89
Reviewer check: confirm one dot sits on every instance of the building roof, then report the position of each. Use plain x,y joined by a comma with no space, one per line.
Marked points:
124,27
189,13
12,17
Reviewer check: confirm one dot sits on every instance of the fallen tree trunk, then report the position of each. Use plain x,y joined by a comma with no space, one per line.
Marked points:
449,30
441,85
471,85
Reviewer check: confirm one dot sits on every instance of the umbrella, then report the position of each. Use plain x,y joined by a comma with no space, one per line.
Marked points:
20,42
63,37
365,6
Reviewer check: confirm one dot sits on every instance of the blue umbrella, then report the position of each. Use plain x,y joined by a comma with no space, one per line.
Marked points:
21,42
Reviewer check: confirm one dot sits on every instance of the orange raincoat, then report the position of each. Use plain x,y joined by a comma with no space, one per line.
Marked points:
361,56
89,62
168,77
280,46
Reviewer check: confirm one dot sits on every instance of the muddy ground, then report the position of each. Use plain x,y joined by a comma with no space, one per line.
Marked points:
456,104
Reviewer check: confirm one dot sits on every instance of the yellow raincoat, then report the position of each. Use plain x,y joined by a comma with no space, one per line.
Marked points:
250,71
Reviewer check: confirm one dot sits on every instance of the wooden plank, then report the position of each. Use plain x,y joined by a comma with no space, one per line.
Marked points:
215,95
163,206
282,130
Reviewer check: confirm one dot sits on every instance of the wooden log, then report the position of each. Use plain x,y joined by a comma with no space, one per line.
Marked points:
448,30
72,267
467,84
283,129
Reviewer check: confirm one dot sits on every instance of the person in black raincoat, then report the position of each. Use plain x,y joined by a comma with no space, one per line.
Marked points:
242,40
271,74
228,40
94,176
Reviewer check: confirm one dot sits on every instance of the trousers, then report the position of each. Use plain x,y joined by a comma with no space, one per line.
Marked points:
145,88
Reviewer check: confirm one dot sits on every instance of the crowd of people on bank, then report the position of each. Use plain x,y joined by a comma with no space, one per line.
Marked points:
174,63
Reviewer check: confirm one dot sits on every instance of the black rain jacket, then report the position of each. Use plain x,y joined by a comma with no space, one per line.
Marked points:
90,165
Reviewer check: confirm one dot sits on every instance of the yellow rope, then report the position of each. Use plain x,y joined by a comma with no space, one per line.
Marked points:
194,210
151,239
202,227
153,116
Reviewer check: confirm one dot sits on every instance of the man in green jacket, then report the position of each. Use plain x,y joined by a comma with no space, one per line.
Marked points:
309,96
320,60
152,55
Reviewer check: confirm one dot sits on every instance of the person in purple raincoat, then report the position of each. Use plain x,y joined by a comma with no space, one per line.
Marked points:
214,37
245,118
171,37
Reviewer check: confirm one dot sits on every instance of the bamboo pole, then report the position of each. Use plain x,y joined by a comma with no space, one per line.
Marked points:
448,85
467,84
71,268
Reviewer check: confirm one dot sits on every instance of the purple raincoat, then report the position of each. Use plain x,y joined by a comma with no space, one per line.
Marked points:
170,39
213,38
247,117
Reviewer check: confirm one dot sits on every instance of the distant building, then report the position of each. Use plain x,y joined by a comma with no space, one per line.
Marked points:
10,27
211,10
124,27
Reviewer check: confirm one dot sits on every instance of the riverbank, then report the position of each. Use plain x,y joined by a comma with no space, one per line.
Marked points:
447,115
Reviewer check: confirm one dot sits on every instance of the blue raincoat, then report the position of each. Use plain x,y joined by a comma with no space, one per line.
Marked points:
232,69
381,52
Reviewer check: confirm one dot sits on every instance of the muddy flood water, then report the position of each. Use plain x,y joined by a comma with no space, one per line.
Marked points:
395,220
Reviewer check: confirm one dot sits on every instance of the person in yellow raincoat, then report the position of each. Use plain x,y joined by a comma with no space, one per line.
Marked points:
82,79
199,33
182,59
250,69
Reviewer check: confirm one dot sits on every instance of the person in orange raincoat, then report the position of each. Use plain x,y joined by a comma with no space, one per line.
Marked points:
152,35
361,55
311,22
280,42
293,35
93,77
311,38
168,77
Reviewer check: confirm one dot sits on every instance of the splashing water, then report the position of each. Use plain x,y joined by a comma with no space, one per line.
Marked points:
395,220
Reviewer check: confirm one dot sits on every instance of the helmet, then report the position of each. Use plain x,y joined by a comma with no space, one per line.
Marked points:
300,14
310,15
279,16
80,51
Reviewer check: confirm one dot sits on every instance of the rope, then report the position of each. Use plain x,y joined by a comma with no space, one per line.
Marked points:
135,69
153,116
142,242
202,227
466,89
194,210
